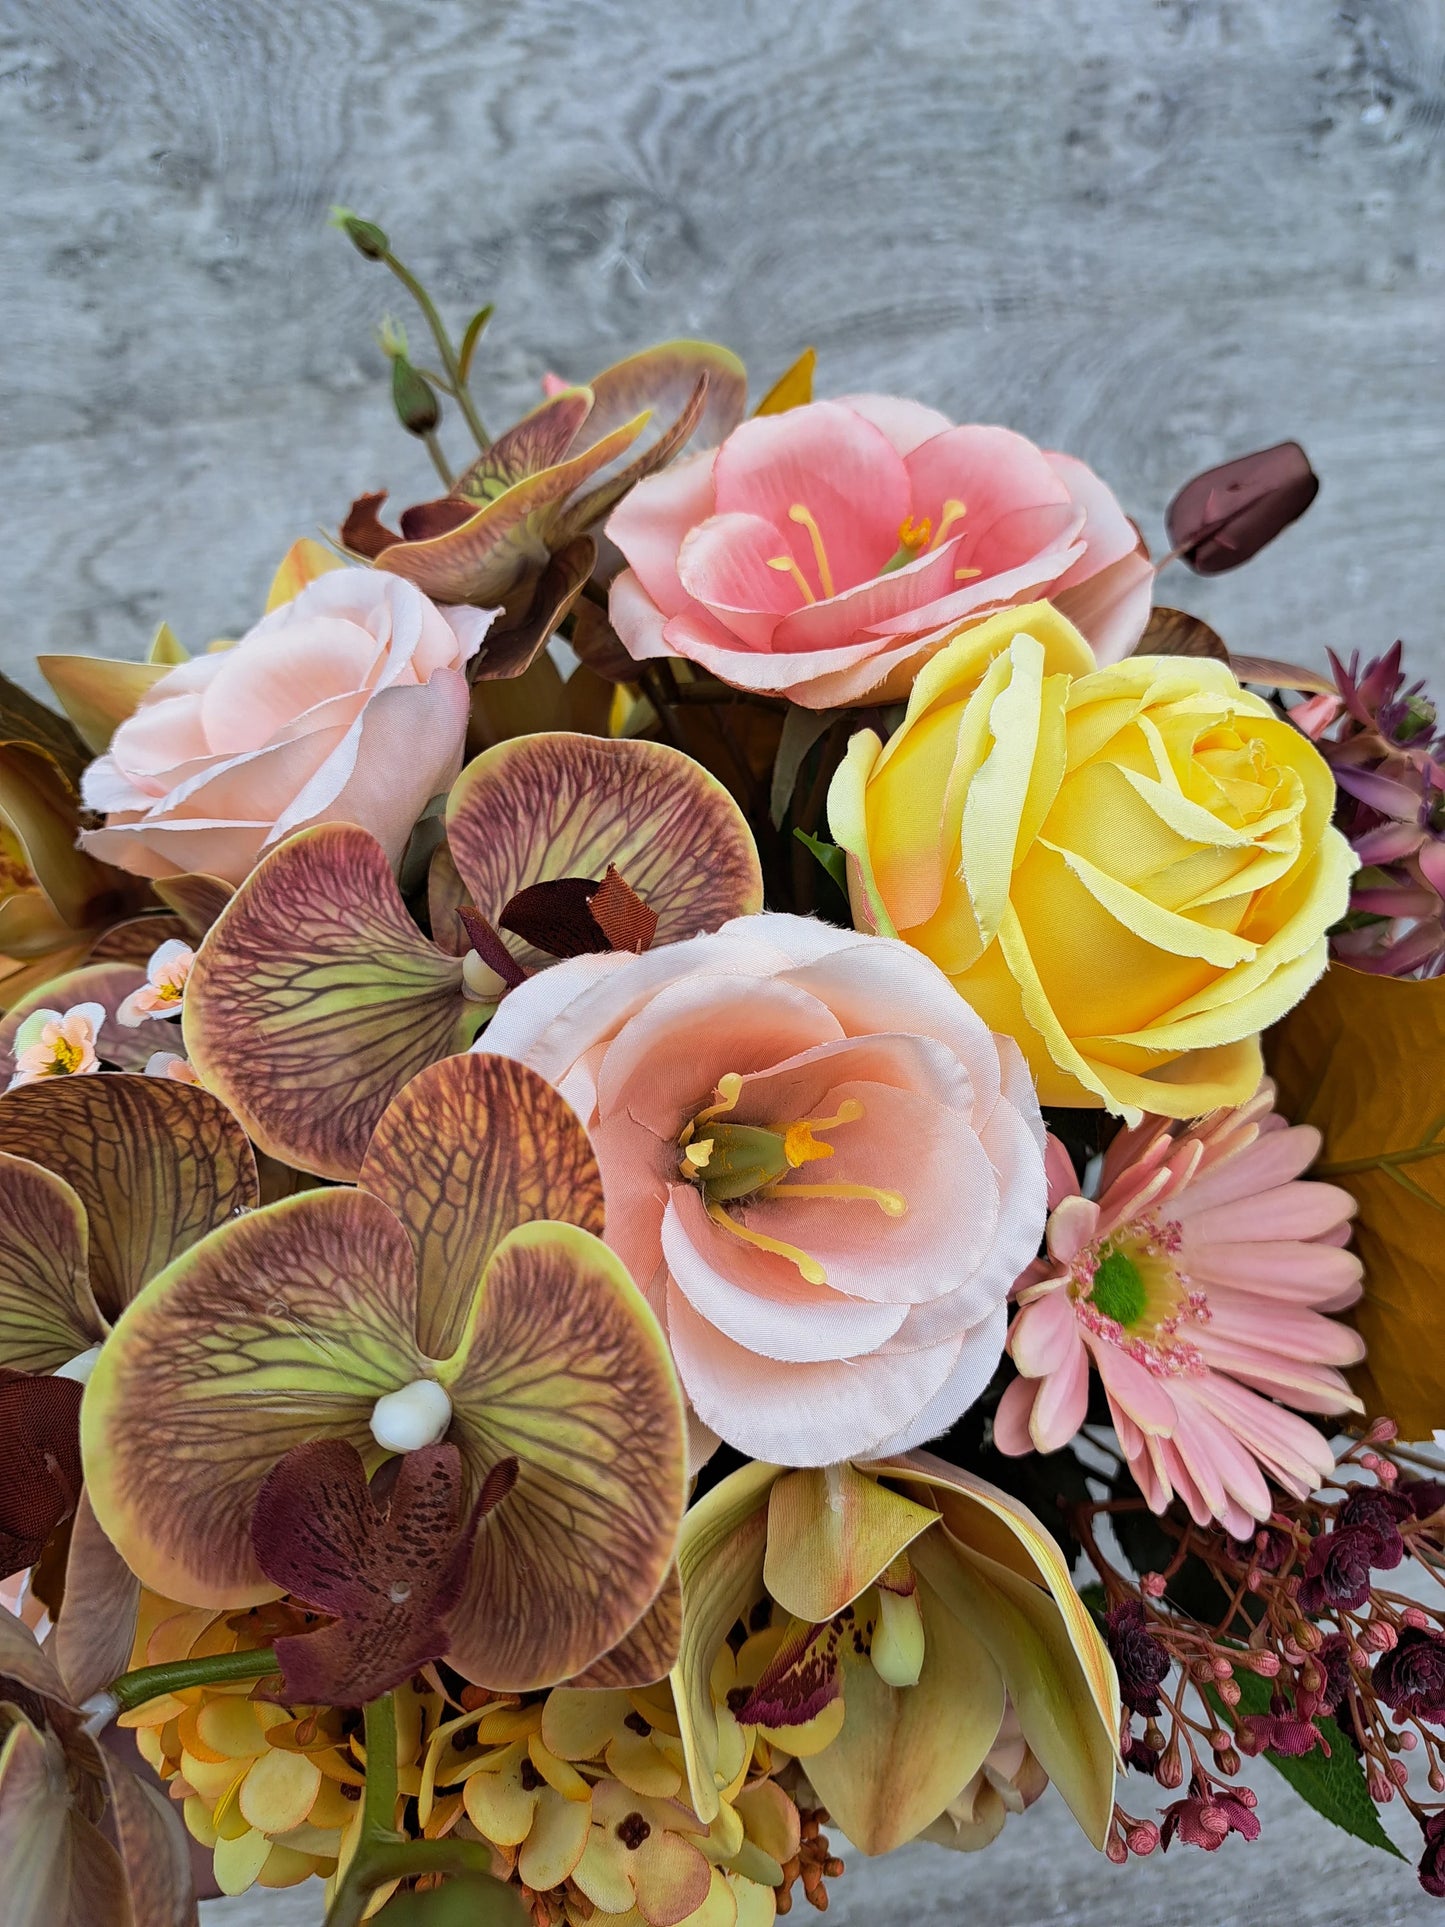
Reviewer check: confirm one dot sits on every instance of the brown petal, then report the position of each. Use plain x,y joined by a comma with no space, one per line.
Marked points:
1226,515
363,532
40,1451
1173,632
95,1632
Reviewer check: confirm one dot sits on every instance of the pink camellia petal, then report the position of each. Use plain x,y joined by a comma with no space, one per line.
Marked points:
649,524
835,467
907,424
725,564
879,1177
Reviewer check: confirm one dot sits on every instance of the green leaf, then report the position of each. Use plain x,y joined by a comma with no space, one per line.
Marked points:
829,855
472,336
1334,1786
802,728
470,1900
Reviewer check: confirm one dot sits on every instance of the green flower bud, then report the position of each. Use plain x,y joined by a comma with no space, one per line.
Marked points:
365,236
416,405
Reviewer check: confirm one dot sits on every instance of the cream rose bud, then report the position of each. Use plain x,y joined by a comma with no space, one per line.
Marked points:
346,704
820,1167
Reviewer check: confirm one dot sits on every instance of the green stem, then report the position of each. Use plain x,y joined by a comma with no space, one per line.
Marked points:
378,1812
151,1682
444,347
439,461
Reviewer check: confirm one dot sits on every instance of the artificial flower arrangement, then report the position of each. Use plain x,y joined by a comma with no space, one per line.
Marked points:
718,1141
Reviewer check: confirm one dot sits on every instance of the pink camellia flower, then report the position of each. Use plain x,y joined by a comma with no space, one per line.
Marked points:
164,990
825,553
819,1165
53,1043
1195,1287
347,704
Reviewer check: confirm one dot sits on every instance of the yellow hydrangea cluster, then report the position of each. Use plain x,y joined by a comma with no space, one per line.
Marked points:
581,1794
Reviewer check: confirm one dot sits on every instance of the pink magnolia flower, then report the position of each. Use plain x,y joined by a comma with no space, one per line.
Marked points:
819,1166
164,990
347,704
52,1043
826,553
1196,1287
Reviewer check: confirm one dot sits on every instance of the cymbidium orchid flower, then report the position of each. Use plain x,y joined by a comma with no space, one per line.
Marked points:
315,996
515,528
459,1293
912,1605
103,1180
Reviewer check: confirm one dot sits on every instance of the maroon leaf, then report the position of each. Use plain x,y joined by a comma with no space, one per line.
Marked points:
363,531
621,915
489,946
556,917
423,520
387,1568
40,1453
1228,514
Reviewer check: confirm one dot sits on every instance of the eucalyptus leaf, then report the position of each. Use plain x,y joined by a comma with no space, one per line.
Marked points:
472,336
801,729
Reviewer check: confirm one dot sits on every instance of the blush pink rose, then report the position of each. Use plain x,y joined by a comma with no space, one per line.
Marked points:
346,704
819,1165
826,553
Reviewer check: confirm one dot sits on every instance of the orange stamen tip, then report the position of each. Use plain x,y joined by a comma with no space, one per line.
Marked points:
966,575
914,535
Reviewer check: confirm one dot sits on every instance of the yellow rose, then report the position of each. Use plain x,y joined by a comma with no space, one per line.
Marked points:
1131,870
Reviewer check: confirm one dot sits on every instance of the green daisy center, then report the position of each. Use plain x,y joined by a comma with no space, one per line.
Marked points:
1118,1289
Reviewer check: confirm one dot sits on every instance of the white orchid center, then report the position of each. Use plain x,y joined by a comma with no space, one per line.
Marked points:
417,1415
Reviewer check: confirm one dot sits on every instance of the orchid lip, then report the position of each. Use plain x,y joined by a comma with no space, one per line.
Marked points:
415,1416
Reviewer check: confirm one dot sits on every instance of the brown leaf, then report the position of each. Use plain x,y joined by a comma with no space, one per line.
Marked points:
1274,674
599,645
512,648
40,1451
1174,632
1227,514
95,1631
1360,1059
363,532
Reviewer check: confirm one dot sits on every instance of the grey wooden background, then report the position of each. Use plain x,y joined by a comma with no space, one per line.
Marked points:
1152,232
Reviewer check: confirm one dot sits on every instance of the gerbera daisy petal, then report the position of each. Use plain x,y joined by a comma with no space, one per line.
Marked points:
1199,1286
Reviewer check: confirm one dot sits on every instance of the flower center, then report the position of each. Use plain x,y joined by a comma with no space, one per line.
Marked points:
65,1056
917,537
1131,1292
734,1163
417,1415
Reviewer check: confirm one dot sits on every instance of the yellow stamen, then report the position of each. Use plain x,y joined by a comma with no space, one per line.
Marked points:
892,1203
729,1088
953,511
787,566
914,535
65,1056
811,1271
801,1147
804,519
698,1155
966,575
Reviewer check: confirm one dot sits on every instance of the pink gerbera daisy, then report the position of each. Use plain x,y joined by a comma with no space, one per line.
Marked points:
1196,1286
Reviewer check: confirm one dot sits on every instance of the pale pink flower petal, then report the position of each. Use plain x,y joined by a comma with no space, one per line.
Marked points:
820,1167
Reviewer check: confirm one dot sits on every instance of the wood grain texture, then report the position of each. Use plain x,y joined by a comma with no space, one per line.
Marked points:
1152,232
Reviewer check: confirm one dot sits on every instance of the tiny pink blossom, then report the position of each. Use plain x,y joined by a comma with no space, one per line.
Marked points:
1198,1288
164,990
51,1043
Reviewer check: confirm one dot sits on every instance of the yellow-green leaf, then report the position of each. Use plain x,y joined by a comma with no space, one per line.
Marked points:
793,388
831,1531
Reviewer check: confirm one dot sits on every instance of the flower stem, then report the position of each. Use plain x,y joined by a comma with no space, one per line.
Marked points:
151,1682
443,340
383,1855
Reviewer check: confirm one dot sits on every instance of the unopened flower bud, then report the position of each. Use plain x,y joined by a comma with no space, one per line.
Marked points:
1115,1850
1143,1839
1382,1431
417,408
1307,1636
365,236
1437,1780
1153,1584
1154,1736
1220,1738
1265,1664
1170,1771
1407,1741
1378,1637
1201,1672
1229,1691
1399,1772
1227,1762
1222,1668
1417,1617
